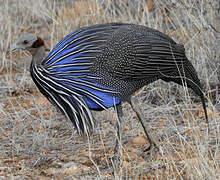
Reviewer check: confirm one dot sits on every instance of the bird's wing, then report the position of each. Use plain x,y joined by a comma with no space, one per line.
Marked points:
79,45
69,64
141,53
156,57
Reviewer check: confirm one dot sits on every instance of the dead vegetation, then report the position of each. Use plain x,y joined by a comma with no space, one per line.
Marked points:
37,142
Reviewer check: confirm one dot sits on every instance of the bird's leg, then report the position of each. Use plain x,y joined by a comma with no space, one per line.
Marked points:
151,142
118,127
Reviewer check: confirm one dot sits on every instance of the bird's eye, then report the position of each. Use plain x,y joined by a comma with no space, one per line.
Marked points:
25,42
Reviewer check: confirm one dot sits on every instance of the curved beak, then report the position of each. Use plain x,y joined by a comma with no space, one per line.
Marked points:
14,47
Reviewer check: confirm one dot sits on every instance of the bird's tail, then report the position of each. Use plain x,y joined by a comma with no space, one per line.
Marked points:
193,82
186,74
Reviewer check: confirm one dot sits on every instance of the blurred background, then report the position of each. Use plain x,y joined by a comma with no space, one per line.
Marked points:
38,142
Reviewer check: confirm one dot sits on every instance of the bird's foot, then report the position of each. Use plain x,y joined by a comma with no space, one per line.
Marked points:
113,167
152,150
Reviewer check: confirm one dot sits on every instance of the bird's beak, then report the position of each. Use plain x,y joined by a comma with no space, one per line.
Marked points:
14,47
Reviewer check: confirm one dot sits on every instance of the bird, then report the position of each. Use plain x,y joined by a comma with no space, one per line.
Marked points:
101,66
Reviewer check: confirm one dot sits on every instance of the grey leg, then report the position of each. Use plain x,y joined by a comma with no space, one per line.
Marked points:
151,142
118,127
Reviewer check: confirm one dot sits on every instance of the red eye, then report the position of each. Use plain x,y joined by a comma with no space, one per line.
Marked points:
25,41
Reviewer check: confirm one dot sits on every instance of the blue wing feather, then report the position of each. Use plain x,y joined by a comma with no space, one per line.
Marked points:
69,63
95,95
67,39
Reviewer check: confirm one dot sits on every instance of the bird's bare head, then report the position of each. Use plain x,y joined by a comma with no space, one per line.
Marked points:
27,42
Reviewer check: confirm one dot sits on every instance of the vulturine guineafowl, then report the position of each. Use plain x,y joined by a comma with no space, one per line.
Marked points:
100,66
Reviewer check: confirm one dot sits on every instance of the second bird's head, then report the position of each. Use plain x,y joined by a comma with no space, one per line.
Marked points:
28,42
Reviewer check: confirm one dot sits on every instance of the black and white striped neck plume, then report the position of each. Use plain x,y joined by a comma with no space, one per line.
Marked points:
68,101
100,66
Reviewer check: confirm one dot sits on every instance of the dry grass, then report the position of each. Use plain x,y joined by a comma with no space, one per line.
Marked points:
37,142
